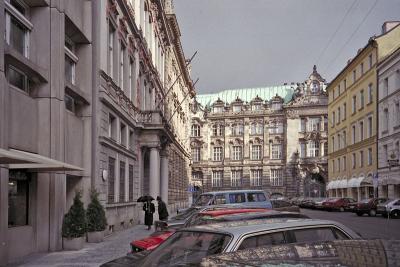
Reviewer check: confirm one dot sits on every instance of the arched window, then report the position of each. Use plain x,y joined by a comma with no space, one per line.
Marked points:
313,149
237,129
195,130
218,130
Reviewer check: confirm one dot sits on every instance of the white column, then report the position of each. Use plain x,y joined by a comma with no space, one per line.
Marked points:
154,183
164,177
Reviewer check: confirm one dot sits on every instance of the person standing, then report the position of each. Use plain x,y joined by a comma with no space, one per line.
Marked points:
162,209
149,209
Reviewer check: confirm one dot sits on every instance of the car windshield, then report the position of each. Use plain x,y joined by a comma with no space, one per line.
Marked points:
186,248
186,214
203,200
387,202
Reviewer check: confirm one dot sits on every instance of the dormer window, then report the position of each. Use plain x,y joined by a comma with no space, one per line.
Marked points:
276,106
237,108
195,130
256,106
218,109
314,87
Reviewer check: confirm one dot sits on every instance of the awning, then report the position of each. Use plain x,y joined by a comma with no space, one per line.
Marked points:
355,182
17,159
342,183
332,185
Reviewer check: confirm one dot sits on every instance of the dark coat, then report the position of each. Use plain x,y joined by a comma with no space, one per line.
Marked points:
162,210
149,209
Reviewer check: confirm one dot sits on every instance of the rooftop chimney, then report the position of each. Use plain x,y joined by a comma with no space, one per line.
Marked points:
388,25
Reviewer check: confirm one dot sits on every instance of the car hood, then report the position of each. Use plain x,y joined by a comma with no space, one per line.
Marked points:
151,242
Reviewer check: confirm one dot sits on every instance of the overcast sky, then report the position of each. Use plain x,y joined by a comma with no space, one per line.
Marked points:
255,43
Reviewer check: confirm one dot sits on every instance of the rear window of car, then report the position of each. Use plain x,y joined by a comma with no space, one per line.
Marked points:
220,199
318,234
237,198
256,197
263,240
280,204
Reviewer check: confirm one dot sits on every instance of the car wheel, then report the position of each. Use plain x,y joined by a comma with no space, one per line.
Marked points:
372,213
359,214
341,209
395,214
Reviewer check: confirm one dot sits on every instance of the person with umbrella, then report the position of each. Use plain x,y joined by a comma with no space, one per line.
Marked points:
149,209
162,209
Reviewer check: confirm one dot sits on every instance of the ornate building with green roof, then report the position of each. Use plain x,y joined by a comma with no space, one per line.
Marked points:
271,138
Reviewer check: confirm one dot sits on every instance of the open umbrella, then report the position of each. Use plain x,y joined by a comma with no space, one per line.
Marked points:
145,199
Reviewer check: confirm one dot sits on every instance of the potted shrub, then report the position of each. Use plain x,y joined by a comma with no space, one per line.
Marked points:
74,225
96,219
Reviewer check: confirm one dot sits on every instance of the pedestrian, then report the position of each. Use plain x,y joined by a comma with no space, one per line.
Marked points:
162,209
149,209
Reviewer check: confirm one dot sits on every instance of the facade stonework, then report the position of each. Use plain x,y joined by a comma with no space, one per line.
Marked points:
270,138
93,95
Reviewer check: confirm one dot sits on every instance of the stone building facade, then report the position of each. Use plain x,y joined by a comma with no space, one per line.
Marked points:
93,95
271,138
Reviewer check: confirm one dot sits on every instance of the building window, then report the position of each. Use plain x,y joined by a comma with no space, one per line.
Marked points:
361,130
256,107
302,125
130,182
195,130
276,128
237,153
276,177
333,119
385,155
276,152
344,139
255,177
256,128
196,154
17,78
70,103
112,127
217,154
361,159
353,160
313,149
122,135
237,108
344,84
338,164
121,67
17,28
370,93
218,109
302,150
111,180
333,166
70,62
361,99
111,37
216,179
256,152
344,111
236,178
338,116
369,127
385,120
131,80
333,144
18,198
397,113
354,76
218,130
237,129
344,163
314,124
362,68
370,61
353,134
354,105
369,156
131,140
385,86
121,181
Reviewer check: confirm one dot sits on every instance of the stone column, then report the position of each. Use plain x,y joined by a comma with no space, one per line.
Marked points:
164,176
154,179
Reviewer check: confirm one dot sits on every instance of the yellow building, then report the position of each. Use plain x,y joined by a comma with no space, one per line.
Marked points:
352,112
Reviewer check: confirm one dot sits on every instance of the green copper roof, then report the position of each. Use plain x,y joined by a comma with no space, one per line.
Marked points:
247,94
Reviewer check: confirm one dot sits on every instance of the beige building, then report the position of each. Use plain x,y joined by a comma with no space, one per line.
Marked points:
352,126
271,138
93,95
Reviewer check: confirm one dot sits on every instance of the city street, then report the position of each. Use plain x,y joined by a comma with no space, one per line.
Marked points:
368,227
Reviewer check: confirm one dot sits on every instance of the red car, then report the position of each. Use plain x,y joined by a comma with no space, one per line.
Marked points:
157,238
340,204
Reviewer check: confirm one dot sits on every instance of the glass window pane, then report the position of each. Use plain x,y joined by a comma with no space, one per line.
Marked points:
313,235
17,79
69,70
237,198
17,36
263,240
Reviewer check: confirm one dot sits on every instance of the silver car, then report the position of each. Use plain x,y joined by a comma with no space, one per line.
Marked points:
188,246
390,207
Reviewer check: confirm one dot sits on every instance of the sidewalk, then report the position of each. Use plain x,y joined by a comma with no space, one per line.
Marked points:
114,246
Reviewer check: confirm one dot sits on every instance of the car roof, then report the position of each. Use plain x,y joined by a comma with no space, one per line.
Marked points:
234,191
260,215
250,226
221,212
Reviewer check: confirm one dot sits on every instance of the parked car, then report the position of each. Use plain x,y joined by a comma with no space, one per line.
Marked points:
368,206
325,253
340,204
389,208
283,205
188,246
250,198
318,204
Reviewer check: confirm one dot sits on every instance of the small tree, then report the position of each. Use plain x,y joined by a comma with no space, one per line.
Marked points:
96,215
74,223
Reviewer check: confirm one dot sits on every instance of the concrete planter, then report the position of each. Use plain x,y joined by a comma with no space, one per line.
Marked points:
73,243
95,237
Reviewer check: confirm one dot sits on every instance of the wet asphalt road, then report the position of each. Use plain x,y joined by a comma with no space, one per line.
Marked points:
368,227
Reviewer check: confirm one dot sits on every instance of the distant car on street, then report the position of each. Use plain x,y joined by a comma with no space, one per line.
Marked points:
284,205
390,208
339,204
188,246
368,206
